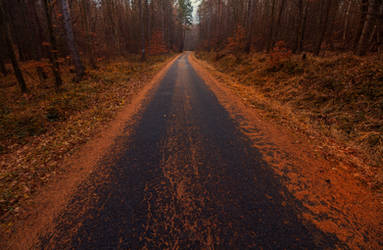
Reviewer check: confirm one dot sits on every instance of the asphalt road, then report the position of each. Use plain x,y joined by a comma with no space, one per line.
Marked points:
185,177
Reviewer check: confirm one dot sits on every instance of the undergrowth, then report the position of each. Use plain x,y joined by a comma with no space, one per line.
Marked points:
340,95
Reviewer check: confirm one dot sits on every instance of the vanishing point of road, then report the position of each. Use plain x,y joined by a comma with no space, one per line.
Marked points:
184,177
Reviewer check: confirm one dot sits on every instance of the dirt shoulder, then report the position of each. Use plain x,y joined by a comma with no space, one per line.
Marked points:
36,212
334,193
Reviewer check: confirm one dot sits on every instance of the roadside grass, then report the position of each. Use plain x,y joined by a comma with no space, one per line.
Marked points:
38,129
341,96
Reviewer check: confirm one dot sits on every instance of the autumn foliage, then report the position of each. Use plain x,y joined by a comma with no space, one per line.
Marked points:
237,42
280,54
157,45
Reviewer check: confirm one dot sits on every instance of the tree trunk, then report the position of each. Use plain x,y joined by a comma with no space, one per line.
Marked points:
80,70
303,28
271,28
346,23
84,5
363,15
182,40
249,41
367,28
41,73
141,18
299,26
279,18
379,28
6,36
38,55
52,46
323,28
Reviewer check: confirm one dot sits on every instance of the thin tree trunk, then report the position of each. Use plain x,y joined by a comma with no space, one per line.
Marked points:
163,20
182,40
279,18
80,70
363,16
52,41
323,28
38,50
346,23
379,35
6,36
303,28
299,26
249,41
86,26
367,28
140,13
271,28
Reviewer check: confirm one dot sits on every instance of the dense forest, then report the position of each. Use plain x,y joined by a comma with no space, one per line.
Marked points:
83,32
302,25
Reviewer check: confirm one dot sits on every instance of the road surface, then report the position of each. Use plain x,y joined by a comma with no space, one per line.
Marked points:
184,177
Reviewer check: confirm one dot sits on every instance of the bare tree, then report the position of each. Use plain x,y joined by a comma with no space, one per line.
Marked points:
80,70
324,23
52,46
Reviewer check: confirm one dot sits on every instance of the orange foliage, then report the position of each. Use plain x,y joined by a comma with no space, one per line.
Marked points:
238,41
157,44
280,53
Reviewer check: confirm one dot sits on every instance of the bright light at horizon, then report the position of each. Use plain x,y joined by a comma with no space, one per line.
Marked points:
195,4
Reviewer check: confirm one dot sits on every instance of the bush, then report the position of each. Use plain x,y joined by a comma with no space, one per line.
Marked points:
53,114
28,125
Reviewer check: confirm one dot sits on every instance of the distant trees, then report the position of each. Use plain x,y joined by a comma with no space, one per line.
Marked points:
87,31
304,25
185,18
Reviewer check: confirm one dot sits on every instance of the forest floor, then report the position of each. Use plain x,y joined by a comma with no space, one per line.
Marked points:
40,129
336,101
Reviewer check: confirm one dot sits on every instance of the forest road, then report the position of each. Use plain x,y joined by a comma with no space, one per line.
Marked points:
185,177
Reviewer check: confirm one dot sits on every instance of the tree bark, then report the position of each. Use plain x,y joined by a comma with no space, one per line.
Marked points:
249,41
142,30
6,36
38,55
303,28
80,70
85,8
279,24
363,16
52,46
299,26
379,36
323,28
367,28
346,23
271,28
